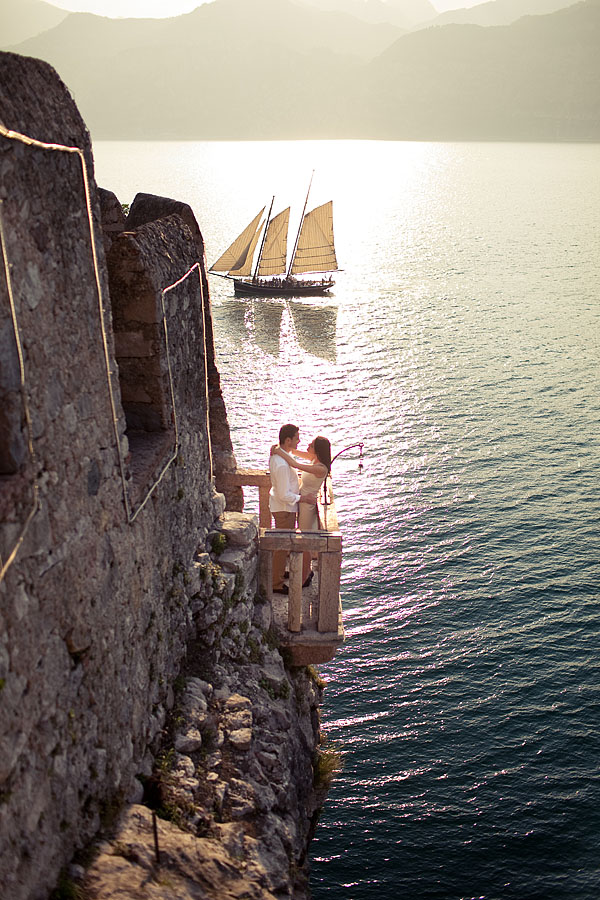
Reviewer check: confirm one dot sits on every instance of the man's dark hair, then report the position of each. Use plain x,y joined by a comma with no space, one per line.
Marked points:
287,431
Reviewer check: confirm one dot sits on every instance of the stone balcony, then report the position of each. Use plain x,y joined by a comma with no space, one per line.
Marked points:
308,620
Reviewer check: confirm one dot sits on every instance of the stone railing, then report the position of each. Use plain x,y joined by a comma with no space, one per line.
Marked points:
253,478
309,619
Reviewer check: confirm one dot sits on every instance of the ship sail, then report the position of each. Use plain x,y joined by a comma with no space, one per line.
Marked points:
315,251
243,267
273,257
238,252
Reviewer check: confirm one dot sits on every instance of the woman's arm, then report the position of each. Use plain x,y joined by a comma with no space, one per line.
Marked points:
316,468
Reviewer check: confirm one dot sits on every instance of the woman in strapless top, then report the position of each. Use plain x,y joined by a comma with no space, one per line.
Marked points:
314,473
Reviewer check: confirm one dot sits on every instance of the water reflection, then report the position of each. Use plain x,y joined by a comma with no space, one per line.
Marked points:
265,321
232,314
275,326
316,329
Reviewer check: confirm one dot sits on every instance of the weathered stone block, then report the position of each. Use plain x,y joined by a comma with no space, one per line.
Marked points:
237,702
188,741
240,529
241,739
239,719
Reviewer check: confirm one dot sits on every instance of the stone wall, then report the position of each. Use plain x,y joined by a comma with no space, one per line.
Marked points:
148,208
233,784
118,567
92,630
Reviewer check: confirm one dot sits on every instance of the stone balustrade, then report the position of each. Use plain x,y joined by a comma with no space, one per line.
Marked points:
309,620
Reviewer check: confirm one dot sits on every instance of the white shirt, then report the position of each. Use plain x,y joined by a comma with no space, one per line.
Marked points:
285,491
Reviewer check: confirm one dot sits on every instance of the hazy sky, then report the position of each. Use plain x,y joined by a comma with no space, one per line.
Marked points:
164,8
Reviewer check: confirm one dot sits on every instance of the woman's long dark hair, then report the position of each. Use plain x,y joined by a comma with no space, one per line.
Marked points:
322,449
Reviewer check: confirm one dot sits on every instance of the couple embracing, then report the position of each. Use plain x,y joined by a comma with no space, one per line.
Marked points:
291,498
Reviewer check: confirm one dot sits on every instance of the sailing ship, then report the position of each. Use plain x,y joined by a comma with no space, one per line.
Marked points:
272,275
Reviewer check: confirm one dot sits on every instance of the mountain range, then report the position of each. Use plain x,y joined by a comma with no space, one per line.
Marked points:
500,12
278,69
22,19
404,13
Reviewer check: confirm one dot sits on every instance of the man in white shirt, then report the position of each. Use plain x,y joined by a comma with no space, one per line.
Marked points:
284,497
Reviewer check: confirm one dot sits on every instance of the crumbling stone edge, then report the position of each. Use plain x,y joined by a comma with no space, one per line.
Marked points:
229,797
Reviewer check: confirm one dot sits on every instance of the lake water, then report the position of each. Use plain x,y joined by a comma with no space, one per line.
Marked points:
462,345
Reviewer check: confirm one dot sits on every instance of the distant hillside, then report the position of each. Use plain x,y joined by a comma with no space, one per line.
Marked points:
231,68
274,69
537,79
248,26
500,12
22,19
405,13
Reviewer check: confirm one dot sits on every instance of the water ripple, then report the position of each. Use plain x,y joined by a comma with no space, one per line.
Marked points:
462,347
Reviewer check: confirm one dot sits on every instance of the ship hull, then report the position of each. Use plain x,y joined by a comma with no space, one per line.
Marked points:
281,287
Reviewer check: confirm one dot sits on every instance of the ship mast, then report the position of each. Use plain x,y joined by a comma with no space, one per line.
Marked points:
264,237
293,256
